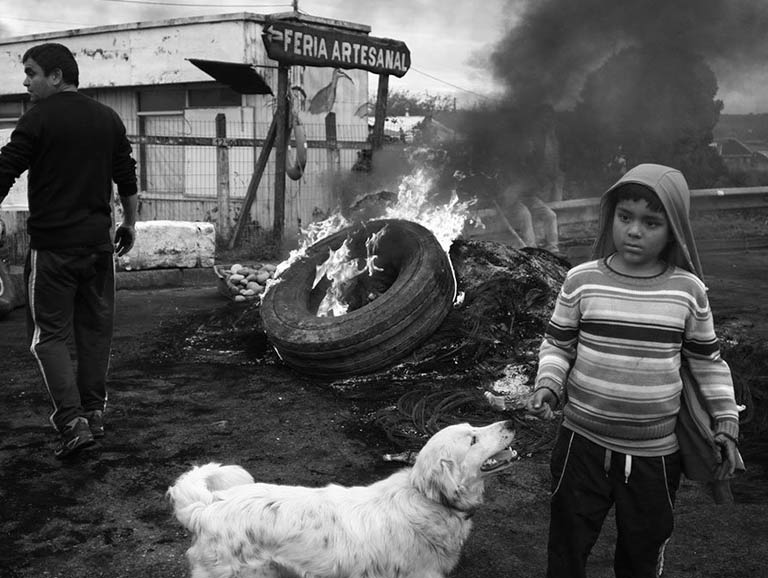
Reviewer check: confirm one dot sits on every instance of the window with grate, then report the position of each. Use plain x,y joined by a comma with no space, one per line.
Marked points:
213,97
10,112
162,100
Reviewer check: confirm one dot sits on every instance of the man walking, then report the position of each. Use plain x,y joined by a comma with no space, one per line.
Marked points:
74,148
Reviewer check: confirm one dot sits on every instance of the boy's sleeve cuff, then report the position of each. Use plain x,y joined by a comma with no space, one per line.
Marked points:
127,190
729,428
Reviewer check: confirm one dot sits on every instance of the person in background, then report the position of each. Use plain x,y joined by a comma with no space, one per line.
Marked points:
618,165
543,218
628,328
527,214
74,149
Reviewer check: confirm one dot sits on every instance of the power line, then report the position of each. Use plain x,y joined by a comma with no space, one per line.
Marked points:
448,83
42,21
293,5
199,5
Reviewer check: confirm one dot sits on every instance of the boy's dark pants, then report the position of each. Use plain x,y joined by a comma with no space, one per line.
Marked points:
587,481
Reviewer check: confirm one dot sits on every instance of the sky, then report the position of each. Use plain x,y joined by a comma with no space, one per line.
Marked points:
451,41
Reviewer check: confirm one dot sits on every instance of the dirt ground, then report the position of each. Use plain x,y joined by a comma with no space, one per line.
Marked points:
183,391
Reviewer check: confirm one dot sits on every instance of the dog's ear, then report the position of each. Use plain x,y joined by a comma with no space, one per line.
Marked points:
448,467
459,490
436,482
451,486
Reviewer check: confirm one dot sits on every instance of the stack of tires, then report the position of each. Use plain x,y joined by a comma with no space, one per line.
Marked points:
413,293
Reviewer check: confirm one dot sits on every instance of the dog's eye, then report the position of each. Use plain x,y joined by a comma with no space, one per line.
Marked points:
473,441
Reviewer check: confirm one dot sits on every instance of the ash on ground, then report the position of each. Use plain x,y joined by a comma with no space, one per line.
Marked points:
488,344
493,332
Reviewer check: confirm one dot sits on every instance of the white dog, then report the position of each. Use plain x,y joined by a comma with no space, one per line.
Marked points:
412,524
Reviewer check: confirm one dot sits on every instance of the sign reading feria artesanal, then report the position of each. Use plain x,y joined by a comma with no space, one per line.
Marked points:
291,43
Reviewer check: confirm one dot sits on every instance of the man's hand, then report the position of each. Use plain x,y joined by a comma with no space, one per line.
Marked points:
125,237
726,457
540,403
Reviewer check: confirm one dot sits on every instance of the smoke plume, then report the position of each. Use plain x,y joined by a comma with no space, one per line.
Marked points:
545,56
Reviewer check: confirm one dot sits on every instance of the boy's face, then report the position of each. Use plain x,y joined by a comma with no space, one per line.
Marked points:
640,235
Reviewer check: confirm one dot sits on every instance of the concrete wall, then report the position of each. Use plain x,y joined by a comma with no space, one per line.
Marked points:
141,54
587,210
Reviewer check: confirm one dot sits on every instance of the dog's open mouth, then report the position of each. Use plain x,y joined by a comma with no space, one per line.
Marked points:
499,461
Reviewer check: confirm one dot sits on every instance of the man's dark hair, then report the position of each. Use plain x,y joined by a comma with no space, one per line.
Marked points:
51,56
637,192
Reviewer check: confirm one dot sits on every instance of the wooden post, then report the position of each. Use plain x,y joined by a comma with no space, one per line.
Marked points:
142,155
381,112
334,159
222,180
281,152
253,186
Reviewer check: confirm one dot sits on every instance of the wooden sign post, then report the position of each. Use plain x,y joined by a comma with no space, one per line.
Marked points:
296,43
281,151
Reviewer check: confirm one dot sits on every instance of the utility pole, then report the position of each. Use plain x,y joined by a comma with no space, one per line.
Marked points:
295,5
381,112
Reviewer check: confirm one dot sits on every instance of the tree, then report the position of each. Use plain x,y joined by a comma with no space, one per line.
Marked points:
656,103
402,102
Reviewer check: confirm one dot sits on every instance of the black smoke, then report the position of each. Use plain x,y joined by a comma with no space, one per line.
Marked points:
558,64
547,53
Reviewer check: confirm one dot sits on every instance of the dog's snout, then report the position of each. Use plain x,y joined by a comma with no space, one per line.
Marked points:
510,425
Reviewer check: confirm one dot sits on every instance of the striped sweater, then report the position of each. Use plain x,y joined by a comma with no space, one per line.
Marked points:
614,347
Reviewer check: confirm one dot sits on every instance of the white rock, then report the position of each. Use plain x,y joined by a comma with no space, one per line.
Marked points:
171,244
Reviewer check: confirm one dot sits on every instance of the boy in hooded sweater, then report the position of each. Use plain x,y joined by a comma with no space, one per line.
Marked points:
623,325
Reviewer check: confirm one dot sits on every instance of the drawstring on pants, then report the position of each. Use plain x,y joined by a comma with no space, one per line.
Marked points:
627,465
627,468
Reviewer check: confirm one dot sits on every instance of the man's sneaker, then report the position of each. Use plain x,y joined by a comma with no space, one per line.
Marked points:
75,436
96,423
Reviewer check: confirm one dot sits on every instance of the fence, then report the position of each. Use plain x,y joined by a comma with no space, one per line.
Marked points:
182,178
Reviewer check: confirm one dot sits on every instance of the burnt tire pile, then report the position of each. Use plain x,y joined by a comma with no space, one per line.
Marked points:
415,292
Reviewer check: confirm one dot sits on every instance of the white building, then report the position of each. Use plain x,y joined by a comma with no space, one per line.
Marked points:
143,71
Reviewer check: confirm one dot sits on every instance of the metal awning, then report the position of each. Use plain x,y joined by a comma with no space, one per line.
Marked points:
240,77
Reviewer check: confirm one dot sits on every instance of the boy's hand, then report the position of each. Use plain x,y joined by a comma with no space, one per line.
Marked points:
726,457
540,403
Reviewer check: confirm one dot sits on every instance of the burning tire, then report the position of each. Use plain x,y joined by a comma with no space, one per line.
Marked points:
391,312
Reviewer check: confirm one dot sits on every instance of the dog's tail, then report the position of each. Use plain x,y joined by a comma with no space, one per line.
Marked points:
195,489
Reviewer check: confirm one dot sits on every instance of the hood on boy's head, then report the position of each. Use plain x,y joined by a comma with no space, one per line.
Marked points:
672,189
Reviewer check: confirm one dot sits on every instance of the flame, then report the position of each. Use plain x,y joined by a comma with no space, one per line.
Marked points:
340,269
312,234
446,222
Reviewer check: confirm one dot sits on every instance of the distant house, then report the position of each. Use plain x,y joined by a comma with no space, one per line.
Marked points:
737,155
399,128
434,128
454,121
